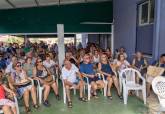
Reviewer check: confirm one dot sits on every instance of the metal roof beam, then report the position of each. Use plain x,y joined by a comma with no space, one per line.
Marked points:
37,3
10,3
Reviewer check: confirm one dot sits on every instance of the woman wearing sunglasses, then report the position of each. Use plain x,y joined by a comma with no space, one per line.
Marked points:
43,75
21,83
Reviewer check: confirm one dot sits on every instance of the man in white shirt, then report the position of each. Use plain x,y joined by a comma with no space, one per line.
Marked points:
71,80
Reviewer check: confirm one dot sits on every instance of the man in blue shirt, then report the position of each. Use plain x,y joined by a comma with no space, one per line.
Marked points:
86,69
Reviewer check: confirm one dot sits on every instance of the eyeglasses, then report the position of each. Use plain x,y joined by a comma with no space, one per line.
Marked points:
18,65
121,55
39,61
66,64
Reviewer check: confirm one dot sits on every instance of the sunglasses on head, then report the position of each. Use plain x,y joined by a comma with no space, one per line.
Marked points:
103,56
39,61
18,65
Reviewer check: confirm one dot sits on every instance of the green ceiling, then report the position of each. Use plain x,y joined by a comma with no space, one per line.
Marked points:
45,19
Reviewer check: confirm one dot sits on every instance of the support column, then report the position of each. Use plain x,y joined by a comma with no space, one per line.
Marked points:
75,40
61,47
84,40
26,40
157,29
112,38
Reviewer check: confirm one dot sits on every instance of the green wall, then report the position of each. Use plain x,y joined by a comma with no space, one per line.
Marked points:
45,19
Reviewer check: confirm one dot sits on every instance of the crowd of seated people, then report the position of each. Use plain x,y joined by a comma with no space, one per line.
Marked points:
24,67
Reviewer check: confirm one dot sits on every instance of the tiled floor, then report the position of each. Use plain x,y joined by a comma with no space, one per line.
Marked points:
96,106
100,106
153,104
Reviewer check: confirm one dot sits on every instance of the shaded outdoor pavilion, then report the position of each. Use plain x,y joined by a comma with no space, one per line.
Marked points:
60,17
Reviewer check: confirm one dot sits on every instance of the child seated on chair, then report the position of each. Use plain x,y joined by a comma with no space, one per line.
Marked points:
8,106
86,68
71,81
105,69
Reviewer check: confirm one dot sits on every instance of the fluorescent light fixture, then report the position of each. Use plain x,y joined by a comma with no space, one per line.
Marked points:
96,23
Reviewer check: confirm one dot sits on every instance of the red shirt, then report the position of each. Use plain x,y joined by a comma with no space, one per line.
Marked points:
2,92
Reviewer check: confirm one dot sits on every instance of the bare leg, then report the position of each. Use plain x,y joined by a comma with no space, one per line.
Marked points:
100,84
94,87
116,83
6,110
81,87
26,98
14,110
33,95
46,92
67,87
109,86
55,88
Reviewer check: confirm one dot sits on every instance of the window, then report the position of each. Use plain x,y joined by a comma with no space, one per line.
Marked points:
146,12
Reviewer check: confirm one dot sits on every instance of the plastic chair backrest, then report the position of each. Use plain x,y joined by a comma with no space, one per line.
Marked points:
158,85
130,75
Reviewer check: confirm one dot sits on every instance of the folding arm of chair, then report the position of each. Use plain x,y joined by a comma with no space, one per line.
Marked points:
16,102
32,81
89,87
40,89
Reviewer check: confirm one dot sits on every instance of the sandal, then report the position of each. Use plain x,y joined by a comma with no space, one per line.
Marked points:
36,106
120,97
27,109
46,103
109,97
95,96
58,97
84,99
69,104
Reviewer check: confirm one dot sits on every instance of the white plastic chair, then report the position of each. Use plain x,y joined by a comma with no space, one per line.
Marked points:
158,85
120,81
129,83
88,88
39,91
64,92
17,108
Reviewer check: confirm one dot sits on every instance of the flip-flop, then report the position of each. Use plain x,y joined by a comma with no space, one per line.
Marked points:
84,99
36,106
69,104
120,96
95,96
109,97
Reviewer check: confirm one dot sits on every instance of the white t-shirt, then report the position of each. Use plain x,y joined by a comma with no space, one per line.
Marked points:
49,64
96,59
124,65
70,75
9,68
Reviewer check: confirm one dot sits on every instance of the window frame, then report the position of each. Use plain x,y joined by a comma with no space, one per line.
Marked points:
140,13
